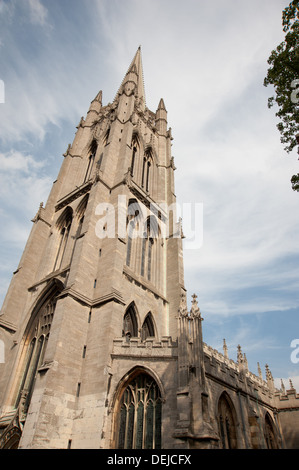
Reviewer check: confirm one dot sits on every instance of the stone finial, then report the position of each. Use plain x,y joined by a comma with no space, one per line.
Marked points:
259,371
195,311
283,389
183,310
291,385
225,349
240,357
269,377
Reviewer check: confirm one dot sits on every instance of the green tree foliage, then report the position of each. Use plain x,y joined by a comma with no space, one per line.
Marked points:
283,74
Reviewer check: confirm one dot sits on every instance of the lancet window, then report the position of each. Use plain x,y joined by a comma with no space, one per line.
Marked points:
226,423
36,340
91,159
149,248
270,435
146,171
130,325
147,329
64,226
133,220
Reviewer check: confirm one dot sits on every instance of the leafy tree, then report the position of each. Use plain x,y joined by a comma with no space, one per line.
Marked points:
283,74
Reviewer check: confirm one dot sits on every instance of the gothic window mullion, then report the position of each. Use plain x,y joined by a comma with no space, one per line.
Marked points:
129,245
149,261
143,254
143,171
142,428
147,176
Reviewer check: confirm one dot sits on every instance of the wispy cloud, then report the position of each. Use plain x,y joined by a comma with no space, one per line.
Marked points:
38,12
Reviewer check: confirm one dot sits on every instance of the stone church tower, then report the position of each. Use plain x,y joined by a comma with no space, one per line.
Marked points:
100,348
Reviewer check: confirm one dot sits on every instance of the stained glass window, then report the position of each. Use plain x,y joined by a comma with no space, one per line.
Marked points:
139,425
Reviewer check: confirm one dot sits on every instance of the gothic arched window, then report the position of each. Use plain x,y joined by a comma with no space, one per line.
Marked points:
130,325
133,218
146,171
147,329
226,423
270,435
148,251
134,151
140,415
80,213
64,225
91,158
36,339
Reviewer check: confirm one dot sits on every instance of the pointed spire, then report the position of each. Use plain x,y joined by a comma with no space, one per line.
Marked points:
283,389
135,74
161,105
99,97
161,118
291,384
95,107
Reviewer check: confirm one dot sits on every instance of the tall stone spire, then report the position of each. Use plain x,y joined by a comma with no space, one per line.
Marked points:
135,75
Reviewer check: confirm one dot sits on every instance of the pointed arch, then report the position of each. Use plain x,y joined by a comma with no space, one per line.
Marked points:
63,225
135,145
130,322
226,417
81,208
35,340
149,252
148,328
137,406
80,214
270,433
91,158
134,219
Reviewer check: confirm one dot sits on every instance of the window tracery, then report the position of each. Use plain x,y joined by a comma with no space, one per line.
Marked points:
140,415
36,341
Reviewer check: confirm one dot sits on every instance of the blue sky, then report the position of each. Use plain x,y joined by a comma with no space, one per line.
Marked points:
208,61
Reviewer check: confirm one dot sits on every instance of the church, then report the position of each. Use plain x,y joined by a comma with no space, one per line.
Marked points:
101,350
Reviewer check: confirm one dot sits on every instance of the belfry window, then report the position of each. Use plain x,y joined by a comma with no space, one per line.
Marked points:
133,217
91,158
146,171
150,236
129,246
64,223
148,175
140,415
143,170
133,160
